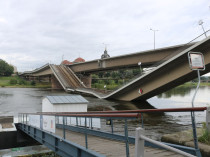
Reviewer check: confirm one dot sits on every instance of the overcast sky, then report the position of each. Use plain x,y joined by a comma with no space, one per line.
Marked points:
36,32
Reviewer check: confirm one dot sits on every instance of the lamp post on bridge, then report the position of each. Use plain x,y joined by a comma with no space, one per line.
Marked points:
139,64
154,35
200,22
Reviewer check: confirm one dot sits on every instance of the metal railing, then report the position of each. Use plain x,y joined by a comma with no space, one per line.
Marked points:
139,145
85,123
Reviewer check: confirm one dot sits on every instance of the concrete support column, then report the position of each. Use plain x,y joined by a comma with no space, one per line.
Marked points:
87,80
208,119
55,83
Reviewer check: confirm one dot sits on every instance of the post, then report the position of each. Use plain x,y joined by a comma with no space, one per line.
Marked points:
139,143
23,119
86,140
126,139
208,119
26,119
91,123
76,121
112,126
64,132
196,62
41,122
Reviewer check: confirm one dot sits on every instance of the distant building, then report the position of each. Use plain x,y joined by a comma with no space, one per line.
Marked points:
105,55
66,62
79,60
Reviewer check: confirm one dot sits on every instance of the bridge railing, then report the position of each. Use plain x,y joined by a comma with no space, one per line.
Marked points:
96,122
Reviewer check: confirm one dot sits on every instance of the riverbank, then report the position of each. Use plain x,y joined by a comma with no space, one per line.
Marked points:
194,84
185,138
17,82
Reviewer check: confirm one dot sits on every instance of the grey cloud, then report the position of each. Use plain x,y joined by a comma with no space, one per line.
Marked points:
33,33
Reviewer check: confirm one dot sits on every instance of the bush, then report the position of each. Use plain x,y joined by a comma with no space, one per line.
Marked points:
111,87
33,83
205,138
22,82
13,81
101,81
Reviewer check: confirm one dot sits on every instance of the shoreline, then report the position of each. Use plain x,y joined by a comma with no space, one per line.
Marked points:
185,138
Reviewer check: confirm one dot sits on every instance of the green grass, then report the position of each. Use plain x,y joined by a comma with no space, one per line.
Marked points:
205,137
20,83
191,84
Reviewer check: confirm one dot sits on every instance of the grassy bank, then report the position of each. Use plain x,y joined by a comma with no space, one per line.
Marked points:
17,82
190,84
205,137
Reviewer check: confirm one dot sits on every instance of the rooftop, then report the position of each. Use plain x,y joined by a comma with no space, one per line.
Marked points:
78,60
67,99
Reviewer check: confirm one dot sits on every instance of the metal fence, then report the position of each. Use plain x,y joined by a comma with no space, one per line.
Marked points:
92,123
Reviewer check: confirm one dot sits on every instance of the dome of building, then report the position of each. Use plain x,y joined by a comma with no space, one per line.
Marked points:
78,60
66,62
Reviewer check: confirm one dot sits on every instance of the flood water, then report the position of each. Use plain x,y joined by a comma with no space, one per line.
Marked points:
18,100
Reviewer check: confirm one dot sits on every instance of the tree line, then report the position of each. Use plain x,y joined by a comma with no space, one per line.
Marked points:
5,68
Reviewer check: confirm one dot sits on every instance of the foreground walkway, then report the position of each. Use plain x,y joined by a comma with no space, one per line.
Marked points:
111,148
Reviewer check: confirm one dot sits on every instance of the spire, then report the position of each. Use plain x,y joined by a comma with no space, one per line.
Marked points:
105,55
105,51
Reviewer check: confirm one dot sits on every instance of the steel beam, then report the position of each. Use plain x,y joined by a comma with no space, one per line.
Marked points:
57,144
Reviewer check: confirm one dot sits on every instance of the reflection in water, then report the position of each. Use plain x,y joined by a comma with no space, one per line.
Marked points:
178,91
16,100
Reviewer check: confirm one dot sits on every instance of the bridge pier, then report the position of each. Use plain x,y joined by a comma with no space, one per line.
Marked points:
55,83
87,80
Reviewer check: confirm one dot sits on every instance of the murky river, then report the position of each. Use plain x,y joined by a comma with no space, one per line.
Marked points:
17,100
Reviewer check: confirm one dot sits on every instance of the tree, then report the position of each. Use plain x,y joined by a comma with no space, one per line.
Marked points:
5,68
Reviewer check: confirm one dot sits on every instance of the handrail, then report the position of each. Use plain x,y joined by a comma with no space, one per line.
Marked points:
187,109
140,145
165,146
120,115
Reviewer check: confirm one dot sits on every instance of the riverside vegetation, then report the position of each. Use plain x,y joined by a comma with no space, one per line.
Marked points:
205,137
112,79
16,81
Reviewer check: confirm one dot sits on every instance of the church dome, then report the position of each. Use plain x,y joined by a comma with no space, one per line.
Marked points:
78,60
66,62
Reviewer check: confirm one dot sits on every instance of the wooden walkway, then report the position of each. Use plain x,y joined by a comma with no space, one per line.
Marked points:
112,148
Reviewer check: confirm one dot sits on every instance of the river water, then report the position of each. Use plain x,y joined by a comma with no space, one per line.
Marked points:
17,100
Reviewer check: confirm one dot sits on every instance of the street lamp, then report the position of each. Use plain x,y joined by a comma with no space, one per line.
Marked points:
154,35
200,22
139,64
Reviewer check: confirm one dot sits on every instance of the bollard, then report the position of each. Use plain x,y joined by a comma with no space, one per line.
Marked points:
208,119
139,143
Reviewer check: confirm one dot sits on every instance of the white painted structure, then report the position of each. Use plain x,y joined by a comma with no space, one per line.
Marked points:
67,103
